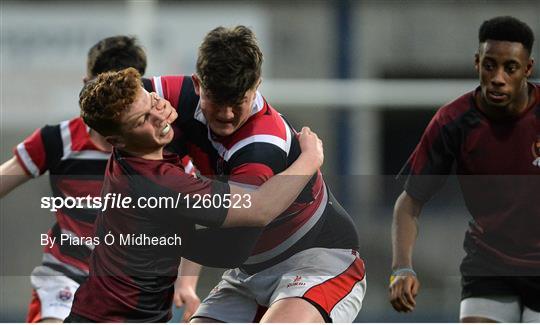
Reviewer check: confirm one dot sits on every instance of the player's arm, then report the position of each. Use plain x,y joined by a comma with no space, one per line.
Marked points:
404,284
279,192
12,174
246,208
428,168
29,159
178,90
185,288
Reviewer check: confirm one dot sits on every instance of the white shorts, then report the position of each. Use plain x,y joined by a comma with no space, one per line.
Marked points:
503,309
333,279
54,292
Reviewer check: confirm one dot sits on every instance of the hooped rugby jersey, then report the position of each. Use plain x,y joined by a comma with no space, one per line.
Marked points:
263,146
76,168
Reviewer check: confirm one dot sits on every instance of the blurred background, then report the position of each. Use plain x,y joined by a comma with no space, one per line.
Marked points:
367,76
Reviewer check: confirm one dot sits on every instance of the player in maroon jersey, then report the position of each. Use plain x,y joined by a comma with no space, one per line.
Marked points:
75,157
135,282
233,133
488,134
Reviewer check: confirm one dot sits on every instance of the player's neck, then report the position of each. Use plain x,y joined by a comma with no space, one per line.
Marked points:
100,142
154,155
148,154
523,101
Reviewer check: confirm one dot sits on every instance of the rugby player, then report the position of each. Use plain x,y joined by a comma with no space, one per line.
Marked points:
305,266
492,131
135,282
75,156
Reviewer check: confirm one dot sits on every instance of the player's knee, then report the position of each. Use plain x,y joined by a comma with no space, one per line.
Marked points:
50,320
292,310
473,319
204,320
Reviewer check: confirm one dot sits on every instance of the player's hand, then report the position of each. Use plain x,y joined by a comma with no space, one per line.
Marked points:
187,297
311,145
403,291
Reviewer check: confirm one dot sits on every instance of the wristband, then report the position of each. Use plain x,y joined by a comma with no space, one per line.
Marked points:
402,271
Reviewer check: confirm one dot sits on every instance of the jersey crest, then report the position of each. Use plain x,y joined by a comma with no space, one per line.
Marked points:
536,152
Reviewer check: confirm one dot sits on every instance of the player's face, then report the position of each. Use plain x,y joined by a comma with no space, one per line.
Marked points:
503,68
146,127
225,119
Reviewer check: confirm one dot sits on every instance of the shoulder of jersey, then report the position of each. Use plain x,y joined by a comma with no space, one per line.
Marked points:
267,121
456,108
266,127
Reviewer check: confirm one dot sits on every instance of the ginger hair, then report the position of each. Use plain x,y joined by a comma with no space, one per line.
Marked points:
105,99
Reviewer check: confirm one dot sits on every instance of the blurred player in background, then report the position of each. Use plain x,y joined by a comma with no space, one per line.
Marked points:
135,282
305,266
75,157
492,131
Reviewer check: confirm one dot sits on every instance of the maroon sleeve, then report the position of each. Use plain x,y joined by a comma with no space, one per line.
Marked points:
186,190
431,162
215,192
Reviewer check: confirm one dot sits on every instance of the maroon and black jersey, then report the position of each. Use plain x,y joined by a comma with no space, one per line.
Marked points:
498,167
263,146
135,282
76,167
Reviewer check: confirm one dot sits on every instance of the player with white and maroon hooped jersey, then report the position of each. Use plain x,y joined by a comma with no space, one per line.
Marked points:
75,157
232,132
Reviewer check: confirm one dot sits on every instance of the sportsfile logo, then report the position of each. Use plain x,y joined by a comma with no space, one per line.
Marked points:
296,282
536,152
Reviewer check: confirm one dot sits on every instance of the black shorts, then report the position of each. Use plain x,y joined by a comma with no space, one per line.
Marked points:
482,277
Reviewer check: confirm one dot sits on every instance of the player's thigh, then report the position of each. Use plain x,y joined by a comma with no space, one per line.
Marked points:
292,310
226,303
54,292
50,320
477,320
486,297
334,283
204,320
530,316
34,312
529,289
505,309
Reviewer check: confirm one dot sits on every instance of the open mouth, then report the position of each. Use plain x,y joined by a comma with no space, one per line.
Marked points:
225,122
166,129
496,96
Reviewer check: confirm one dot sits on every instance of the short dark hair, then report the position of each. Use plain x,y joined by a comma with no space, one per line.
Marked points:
507,28
116,53
104,99
229,63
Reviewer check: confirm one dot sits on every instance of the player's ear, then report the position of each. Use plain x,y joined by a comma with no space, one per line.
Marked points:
477,62
256,88
529,67
196,84
116,141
